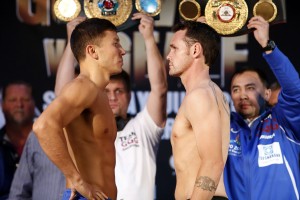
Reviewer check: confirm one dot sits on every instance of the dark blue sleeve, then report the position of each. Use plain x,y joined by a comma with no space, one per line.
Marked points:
289,98
4,182
8,160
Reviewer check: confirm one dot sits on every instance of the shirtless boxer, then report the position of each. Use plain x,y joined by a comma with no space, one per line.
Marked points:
200,135
77,130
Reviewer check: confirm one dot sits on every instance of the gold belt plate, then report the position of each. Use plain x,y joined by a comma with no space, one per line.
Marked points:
226,17
117,15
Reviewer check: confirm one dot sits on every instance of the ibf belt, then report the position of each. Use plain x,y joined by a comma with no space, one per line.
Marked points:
225,16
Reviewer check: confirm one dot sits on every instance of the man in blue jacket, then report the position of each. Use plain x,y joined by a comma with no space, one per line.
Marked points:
263,158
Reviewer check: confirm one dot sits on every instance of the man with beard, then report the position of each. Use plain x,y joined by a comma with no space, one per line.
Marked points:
18,109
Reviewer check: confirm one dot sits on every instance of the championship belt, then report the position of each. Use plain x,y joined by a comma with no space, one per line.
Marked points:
229,17
265,8
66,10
115,11
189,9
119,11
225,16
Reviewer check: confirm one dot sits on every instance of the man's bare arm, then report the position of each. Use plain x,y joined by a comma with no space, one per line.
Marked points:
49,129
65,71
203,114
156,102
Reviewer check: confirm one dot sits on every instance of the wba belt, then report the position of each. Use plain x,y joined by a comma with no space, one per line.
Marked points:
229,17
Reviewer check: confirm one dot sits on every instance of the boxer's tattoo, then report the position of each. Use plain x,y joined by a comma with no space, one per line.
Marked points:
206,183
224,102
